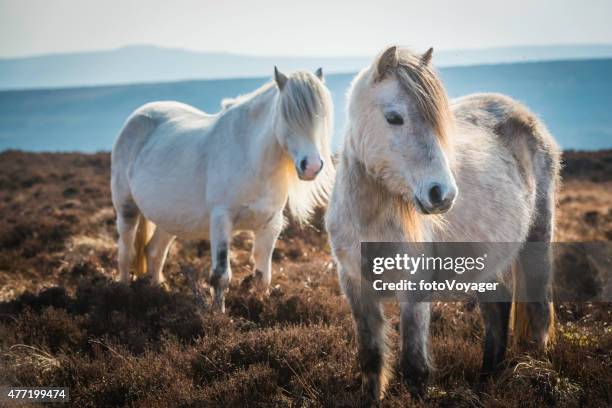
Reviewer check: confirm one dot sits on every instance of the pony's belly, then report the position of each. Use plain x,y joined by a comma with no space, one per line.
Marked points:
178,211
191,218
181,222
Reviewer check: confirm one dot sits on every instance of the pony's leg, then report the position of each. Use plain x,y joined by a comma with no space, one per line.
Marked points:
414,331
157,251
126,226
220,235
371,327
533,317
265,238
495,316
533,321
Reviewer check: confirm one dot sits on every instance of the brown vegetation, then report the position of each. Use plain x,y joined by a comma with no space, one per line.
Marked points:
64,322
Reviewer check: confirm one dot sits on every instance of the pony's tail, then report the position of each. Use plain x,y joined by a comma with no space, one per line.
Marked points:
521,316
143,235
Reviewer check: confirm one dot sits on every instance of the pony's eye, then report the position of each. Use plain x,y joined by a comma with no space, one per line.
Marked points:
394,118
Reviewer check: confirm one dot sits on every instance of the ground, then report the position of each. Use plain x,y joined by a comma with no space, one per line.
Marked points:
65,322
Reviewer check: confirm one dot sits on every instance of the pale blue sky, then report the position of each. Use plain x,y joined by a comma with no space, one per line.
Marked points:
305,27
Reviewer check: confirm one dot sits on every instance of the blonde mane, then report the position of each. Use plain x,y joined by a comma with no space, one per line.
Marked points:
419,79
305,104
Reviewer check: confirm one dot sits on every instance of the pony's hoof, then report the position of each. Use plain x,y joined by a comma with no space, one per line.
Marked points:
260,282
248,282
218,300
484,381
125,280
418,392
150,280
255,281
417,383
369,400
161,281
219,306
371,394
487,373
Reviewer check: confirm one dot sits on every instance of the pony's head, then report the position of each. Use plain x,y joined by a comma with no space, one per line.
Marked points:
400,124
303,127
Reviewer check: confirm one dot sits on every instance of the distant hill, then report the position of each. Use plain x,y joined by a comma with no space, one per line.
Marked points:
144,64
572,97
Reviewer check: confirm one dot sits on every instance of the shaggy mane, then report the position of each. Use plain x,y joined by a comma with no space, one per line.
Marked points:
305,104
420,80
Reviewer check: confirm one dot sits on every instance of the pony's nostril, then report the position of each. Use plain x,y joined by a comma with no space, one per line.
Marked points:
303,165
435,195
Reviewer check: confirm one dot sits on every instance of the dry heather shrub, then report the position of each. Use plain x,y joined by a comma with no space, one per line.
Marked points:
456,360
316,361
138,315
254,385
50,297
461,397
34,236
53,329
24,362
114,377
538,378
300,306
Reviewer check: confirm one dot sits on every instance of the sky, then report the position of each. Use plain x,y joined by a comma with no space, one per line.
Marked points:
289,27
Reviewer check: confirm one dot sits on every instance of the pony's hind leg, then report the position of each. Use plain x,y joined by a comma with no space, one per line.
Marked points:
414,331
371,327
220,235
495,316
127,223
265,238
157,251
532,315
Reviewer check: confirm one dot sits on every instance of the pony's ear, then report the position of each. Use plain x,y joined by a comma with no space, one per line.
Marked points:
280,78
319,74
426,57
388,60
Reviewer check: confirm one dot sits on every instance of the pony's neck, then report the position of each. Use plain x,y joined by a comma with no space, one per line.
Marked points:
382,214
268,156
263,110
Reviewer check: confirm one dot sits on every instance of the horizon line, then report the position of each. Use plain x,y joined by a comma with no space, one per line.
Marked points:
195,51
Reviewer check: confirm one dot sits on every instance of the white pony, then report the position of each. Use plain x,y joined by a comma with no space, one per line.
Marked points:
196,175
416,167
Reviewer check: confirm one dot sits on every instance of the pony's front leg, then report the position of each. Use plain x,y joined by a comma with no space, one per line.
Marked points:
371,327
414,360
220,235
265,238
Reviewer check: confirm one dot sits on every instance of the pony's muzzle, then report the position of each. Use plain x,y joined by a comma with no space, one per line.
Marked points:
309,167
438,199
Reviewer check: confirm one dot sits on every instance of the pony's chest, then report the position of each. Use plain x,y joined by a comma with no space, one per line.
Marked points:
254,215
253,206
